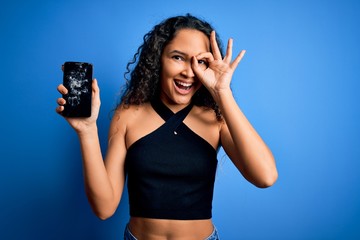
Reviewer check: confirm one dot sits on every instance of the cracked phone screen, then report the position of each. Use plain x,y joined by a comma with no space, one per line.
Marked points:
77,79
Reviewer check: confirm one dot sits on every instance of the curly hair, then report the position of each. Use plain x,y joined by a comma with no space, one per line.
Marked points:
144,83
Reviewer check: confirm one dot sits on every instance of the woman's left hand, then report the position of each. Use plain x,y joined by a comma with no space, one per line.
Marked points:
217,76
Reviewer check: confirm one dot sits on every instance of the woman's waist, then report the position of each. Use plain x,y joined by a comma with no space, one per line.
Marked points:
150,228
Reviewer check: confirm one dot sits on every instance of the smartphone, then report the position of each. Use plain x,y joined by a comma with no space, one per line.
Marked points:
78,81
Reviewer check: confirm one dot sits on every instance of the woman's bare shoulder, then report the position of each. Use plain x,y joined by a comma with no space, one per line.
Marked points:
125,115
206,115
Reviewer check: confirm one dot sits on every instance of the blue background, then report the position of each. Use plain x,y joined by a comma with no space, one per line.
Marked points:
298,84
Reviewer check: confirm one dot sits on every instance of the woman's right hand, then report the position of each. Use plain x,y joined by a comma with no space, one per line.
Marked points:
81,125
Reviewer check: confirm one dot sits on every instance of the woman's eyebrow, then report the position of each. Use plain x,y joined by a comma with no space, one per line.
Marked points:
178,52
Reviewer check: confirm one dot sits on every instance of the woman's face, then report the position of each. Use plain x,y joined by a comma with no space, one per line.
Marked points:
178,81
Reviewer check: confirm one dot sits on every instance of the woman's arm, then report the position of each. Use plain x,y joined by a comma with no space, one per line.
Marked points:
239,139
244,146
104,180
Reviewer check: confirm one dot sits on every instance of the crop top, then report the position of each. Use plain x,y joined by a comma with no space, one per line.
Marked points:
171,171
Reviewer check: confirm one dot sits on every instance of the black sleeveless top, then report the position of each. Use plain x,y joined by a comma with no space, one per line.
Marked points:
171,171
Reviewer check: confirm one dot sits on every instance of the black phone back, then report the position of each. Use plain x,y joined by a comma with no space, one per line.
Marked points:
78,80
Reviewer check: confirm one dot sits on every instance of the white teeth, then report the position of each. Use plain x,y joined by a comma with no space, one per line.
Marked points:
184,84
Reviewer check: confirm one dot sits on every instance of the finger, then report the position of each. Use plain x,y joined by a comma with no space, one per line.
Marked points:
196,68
59,109
62,89
96,92
214,46
62,67
228,55
237,60
195,65
61,101
205,56
95,87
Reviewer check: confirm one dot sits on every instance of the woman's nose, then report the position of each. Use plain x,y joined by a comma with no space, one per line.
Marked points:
188,71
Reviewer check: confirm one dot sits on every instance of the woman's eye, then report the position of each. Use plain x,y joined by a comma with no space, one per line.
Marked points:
176,57
203,62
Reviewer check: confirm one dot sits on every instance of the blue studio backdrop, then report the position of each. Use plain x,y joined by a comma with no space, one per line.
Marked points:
298,84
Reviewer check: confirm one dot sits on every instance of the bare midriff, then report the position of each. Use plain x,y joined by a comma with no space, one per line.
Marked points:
164,229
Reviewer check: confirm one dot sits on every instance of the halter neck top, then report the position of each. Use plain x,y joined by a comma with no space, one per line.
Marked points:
171,171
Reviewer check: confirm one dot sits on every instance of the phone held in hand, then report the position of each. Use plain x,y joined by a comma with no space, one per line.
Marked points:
78,81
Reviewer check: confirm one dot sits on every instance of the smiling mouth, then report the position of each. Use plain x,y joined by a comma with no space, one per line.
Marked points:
182,85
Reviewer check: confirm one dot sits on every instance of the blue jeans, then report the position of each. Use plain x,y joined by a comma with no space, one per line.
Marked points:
129,236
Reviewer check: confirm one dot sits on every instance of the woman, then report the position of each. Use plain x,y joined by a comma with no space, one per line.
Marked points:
176,112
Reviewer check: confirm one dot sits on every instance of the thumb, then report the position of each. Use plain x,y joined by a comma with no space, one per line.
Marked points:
95,86
196,68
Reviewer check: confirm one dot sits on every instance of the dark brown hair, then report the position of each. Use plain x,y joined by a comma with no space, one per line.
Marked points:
144,82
